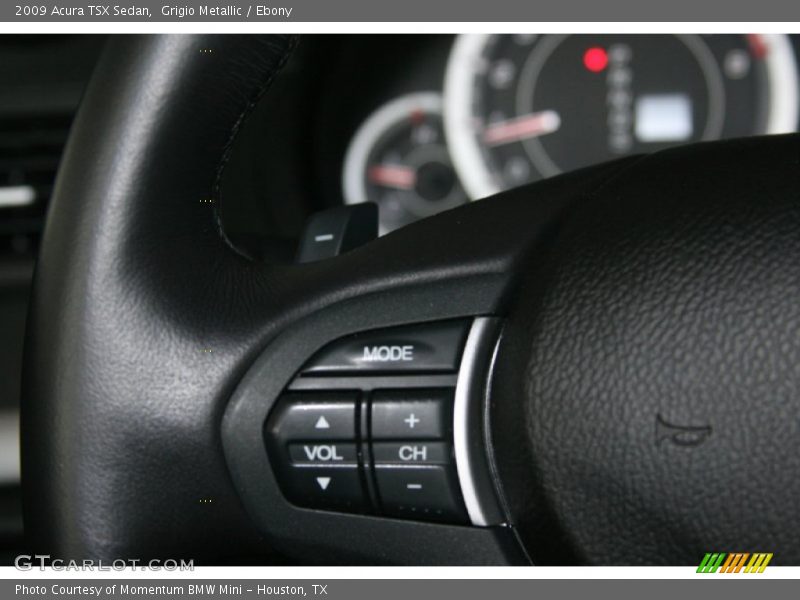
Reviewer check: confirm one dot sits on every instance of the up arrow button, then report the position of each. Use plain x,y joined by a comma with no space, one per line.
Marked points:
313,416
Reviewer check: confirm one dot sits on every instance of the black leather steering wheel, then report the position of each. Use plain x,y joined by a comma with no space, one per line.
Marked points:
643,406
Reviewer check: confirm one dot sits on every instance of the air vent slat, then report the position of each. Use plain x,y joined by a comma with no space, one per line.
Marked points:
30,150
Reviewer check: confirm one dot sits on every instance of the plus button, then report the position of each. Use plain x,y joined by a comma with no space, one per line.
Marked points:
411,420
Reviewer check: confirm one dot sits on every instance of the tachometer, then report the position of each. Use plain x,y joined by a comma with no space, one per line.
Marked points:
398,159
524,107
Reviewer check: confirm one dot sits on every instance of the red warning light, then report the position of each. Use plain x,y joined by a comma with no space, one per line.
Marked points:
595,59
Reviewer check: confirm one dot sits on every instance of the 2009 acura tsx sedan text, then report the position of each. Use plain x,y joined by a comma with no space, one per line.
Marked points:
475,299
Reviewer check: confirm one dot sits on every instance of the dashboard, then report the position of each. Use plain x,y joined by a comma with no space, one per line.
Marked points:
421,124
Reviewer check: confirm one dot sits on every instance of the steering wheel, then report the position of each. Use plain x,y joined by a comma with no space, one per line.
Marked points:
637,402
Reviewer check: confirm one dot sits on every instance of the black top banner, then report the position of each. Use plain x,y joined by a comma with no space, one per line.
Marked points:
710,11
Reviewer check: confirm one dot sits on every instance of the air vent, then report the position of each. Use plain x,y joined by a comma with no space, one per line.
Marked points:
30,149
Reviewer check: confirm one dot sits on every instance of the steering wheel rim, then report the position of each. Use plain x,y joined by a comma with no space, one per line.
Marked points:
177,104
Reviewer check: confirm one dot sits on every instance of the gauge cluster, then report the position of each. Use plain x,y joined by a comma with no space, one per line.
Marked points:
500,111
420,124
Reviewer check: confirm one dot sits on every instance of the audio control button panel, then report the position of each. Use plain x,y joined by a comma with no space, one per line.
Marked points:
351,436
381,452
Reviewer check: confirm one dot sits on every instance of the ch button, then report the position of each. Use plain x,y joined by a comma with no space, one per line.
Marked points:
412,414
429,492
411,453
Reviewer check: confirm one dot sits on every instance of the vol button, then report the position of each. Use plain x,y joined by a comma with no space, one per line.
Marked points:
314,416
332,453
324,487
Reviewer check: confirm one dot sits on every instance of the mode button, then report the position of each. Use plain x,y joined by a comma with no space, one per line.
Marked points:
430,348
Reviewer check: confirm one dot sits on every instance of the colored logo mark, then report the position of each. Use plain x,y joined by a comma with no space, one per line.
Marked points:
734,562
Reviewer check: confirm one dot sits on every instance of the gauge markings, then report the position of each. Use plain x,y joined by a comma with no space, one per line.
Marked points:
519,113
758,45
522,128
394,176
399,159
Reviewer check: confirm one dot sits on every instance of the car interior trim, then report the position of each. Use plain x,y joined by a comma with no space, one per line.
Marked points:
467,414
